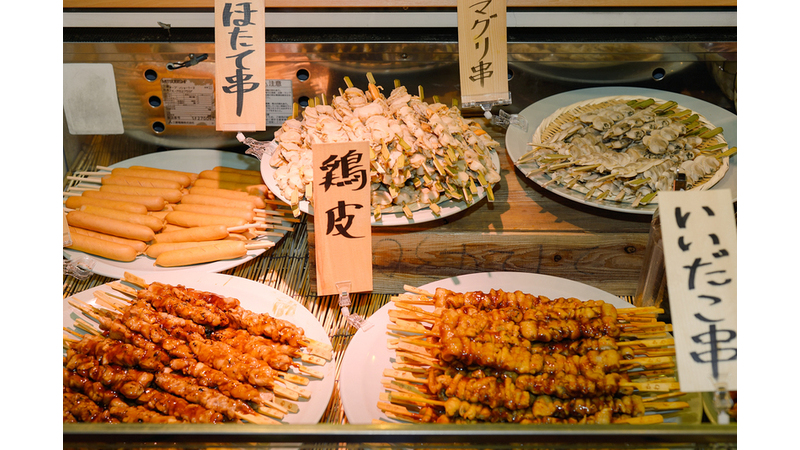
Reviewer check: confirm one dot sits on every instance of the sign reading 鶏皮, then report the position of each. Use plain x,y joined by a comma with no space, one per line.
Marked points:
699,234
483,52
342,219
240,65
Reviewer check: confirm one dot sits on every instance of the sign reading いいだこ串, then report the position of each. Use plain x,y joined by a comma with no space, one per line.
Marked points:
699,235
342,218
240,65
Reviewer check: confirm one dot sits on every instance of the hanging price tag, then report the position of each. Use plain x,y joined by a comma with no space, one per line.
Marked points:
699,235
342,217
239,44
483,53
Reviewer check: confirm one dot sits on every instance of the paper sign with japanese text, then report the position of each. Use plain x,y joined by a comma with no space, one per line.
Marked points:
483,51
239,45
699,235
342,218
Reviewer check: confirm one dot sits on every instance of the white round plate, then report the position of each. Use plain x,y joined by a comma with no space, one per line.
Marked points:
190,160
448,208
367,355
255,297
517,139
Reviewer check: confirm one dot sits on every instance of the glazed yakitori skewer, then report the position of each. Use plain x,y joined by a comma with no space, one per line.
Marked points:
517,357
170,351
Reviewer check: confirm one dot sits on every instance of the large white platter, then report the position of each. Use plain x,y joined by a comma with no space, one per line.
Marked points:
448,208
255,297
517,139
367,355
189,160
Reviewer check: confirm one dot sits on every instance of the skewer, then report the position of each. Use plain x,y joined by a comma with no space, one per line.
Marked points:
274,404
408,377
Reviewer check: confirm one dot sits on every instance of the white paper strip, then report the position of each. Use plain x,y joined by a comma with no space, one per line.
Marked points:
699,233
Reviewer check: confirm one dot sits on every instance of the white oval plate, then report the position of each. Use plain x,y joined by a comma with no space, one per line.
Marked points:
367,355
517,139
189,160
255,297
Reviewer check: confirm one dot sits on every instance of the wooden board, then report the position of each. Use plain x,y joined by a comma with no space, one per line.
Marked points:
610,262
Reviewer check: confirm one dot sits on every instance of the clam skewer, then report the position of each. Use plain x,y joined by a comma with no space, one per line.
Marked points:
623,143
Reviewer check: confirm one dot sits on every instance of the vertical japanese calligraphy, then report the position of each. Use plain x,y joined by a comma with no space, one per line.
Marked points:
240,65
342,219
483,54
699,234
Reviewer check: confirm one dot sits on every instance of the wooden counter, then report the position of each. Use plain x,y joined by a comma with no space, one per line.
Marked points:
525,229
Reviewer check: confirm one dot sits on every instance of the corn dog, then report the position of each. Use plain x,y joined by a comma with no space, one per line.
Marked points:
258,202
207,182
147,172
170,195
110,226
160,247
206,233
260,190
250,173
121,180
231,177
76,201
168,228
149,221
195,219
103,248
139,246
162,215
210,200
151,202
220,250
247,214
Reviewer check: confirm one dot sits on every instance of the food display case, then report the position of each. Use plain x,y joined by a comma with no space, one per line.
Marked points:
159,64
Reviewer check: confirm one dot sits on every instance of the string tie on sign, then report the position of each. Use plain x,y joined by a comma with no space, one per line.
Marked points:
257,148
79,267
353,320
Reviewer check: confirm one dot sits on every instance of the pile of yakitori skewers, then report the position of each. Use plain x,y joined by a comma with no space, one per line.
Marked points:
175,218
626,149
420,153
160,353
513,357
